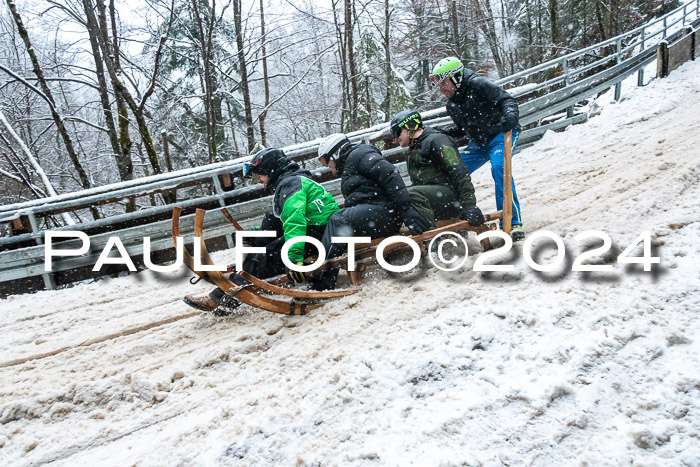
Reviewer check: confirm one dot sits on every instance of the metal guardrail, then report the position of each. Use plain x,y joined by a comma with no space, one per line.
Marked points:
571,86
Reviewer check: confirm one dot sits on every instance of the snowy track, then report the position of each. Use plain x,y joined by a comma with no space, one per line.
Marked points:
557,368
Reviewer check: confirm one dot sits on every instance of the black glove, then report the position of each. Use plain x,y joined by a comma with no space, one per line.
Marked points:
473,215
506,124
415,222
296,277
453,131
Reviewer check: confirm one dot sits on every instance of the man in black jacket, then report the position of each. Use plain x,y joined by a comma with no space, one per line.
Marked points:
377,202
483,111
441,186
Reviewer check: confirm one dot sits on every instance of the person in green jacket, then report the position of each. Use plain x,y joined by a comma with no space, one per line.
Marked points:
300,206
441,187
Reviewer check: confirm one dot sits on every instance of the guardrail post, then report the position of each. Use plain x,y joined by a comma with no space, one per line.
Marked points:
567,81
618,86
49,281
662,59
640,73
663,35
685,8
222,203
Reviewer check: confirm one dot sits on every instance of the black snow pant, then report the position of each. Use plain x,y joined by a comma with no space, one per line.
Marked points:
269,263
435,202
362,220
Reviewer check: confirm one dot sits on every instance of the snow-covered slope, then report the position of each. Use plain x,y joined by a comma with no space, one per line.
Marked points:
439,369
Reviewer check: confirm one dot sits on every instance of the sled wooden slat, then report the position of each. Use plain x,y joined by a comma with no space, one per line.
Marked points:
507,182
294,293
243,294
186,256
230,218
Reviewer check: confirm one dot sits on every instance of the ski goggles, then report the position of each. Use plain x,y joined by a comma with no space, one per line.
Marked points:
246,169
325,160
249,167
437,78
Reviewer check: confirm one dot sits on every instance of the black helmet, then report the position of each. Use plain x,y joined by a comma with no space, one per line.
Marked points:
406,118
268,162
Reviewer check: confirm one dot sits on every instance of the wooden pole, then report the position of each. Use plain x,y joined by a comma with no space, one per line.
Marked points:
507,182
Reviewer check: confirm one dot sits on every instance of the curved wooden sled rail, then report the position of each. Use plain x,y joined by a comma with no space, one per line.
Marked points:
217,279
199,232
271,285
247,294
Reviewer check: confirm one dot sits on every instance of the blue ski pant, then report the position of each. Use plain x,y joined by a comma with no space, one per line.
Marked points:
475,155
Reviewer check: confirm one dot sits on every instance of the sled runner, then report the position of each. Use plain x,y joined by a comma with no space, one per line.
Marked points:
302,301
249,294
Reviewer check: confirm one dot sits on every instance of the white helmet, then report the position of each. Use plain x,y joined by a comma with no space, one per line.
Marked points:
330,146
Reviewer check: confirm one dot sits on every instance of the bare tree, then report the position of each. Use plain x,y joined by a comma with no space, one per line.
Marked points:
120,88
388,74
351,62
32,160
47,95
456,39
124,165
266,78
245,90
484,13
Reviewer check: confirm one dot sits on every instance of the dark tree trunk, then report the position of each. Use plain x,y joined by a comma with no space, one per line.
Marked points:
456,39
250,131
554,23
344,80
57,117
266,81
351,62
387,59
125,166
601,21
205,45
122,109
121,89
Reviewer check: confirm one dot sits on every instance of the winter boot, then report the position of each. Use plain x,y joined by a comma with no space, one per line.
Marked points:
205,303
324,281
227,305
517,233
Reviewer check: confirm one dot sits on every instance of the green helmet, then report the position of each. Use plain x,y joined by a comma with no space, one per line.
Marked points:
409,119
450,67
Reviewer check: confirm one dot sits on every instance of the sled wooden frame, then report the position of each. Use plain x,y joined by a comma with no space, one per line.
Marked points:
270,286
250,296
241,293
368,250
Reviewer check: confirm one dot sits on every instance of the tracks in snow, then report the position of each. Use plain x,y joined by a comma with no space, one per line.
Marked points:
97,340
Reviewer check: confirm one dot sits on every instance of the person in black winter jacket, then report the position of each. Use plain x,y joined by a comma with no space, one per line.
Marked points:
377,202
483,111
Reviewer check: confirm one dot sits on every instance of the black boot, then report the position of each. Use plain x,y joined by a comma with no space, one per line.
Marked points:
227,306
324,281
